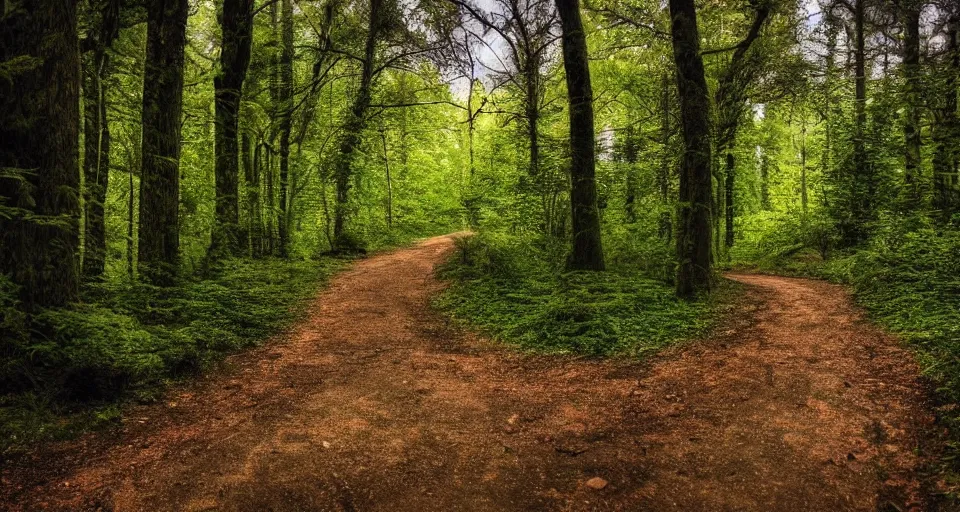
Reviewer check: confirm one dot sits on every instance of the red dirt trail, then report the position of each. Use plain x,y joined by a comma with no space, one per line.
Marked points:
376,403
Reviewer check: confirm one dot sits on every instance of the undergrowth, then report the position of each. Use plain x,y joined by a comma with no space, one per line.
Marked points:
907,278
516,291
65,370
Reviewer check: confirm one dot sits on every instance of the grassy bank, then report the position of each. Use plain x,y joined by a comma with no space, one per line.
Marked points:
516,291
64,371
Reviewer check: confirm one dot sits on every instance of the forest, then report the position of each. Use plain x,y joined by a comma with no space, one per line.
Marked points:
609,192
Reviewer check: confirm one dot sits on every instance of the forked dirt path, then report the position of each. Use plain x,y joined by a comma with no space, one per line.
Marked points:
375,403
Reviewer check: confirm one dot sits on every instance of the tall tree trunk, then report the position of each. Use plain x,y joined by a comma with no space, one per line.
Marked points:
731,100
587,253
39,138
386,166
665,231
353,129
862,180
236,24
945,196
104,25
254,203
695,195
803,168
96,161
765,181
912,193
159,243
286,112
131,196
533,123
728,190
630,154
271,196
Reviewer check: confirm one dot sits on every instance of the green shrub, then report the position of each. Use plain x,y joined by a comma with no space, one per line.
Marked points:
515,290
127,340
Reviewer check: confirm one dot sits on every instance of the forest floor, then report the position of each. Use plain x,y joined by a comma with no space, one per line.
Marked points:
376,402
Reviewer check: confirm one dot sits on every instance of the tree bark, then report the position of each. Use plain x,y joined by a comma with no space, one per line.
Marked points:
694,217
945,194
665,230
728,190
236,24
912,193
286,112
39,138
353,129
104,27
630,154
862,181
96,161
386,166
159,242
803,169
587,253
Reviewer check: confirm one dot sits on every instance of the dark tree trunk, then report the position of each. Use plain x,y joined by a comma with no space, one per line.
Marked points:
236,23
665,230
695,195
353,129
630,154
386,166
104,27
131,197
587,253
803,169
862,181
765,181
255,210
96,161
731,99
39,138
286,112
159,242
945,194
269,206
728,190
910,12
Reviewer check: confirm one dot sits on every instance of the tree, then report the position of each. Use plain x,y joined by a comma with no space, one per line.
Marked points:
355,124
695,194
39,135
910,18
285,98
236,24
946,197
731,99
159,233
526,29
103,28
587,252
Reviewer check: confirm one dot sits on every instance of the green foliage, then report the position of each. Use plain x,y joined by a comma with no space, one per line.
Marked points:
910,281
128,340
512,288
786,243
907,277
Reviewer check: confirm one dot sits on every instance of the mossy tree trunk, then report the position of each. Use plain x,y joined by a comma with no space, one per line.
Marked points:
353,129
694,217
39,138
285,97
910,19
236,24
587,252
103,21
159,242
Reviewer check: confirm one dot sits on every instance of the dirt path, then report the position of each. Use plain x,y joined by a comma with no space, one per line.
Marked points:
374,403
